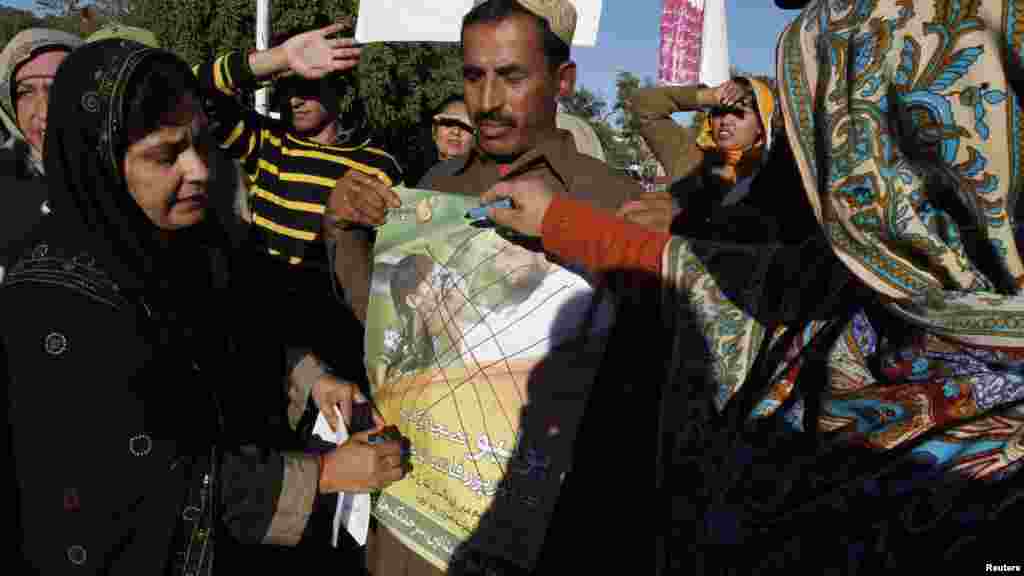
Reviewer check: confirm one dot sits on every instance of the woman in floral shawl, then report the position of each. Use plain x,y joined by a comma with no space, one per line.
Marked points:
858,402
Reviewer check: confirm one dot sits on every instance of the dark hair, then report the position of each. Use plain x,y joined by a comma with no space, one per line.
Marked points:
330,89
406,276
446,103
153,90
555,50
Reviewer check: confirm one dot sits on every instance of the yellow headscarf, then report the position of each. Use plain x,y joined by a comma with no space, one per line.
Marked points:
738,163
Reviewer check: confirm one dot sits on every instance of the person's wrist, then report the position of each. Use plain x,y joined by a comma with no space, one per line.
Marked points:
279,57
321,479
316,389
706,97
250,60
268,63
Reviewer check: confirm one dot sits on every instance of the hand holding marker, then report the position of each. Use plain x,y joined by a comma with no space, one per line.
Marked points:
481,212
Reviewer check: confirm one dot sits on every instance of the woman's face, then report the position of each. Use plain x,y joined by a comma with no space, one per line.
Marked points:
452,138
737,128
32,95
166,171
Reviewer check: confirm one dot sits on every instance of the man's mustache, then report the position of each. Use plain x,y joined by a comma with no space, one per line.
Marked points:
493,118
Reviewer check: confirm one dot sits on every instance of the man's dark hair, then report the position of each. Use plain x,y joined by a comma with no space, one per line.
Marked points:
555,50
329,89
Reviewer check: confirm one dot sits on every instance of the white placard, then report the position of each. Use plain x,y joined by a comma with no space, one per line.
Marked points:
441,21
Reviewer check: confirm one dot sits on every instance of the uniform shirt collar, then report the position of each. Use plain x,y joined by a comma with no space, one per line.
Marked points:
555,150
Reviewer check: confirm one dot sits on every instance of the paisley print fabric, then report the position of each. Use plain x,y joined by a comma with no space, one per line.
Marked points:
907,135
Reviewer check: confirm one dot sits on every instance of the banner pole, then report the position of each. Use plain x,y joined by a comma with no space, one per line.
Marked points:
262,43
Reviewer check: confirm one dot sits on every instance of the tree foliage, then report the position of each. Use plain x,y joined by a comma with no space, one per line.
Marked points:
640,156
13,21
626,83
593,108
615,125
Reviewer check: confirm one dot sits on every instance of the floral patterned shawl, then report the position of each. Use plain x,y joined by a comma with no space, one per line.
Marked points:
909,140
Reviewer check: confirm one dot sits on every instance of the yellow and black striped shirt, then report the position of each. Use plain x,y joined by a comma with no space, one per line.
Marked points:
290,177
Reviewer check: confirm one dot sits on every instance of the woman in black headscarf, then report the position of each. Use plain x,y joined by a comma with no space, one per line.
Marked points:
121,337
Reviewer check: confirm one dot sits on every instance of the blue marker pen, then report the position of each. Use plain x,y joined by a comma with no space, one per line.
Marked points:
481,212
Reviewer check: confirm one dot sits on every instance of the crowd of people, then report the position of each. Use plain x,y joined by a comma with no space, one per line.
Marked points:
819,319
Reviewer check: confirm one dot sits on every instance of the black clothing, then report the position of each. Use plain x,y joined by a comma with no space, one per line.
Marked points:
23,201
128,397
774,209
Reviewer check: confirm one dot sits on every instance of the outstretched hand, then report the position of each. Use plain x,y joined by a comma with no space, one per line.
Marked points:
728,93
531,198
358,198
312,55
359,467
652,210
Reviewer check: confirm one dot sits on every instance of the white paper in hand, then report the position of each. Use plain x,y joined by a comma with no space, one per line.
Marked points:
441,21
411,21
353,510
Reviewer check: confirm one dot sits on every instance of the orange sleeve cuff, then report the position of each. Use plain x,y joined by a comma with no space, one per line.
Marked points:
576,232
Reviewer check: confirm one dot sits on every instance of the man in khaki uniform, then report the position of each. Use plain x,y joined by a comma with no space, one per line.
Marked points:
516,66
582,132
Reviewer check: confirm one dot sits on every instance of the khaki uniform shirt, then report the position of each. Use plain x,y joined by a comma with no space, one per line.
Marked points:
674,146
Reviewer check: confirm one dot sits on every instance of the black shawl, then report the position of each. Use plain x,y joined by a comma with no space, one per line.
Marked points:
93,210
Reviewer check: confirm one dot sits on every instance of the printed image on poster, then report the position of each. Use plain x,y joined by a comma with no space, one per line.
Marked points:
482,352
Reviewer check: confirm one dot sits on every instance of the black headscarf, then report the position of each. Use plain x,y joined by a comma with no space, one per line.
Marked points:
93,212
184,284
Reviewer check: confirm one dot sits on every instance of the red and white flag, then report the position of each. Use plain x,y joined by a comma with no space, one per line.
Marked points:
694,43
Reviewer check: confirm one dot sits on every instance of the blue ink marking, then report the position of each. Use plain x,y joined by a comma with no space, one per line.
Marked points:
481,212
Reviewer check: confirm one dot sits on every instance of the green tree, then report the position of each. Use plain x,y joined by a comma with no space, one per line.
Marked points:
639,155
586,105
595,111
13,21
626,83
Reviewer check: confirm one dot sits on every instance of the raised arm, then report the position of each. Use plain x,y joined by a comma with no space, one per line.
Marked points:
240,130
673,145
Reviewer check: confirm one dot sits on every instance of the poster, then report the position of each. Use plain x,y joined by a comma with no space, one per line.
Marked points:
419,21
482,353
694,45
